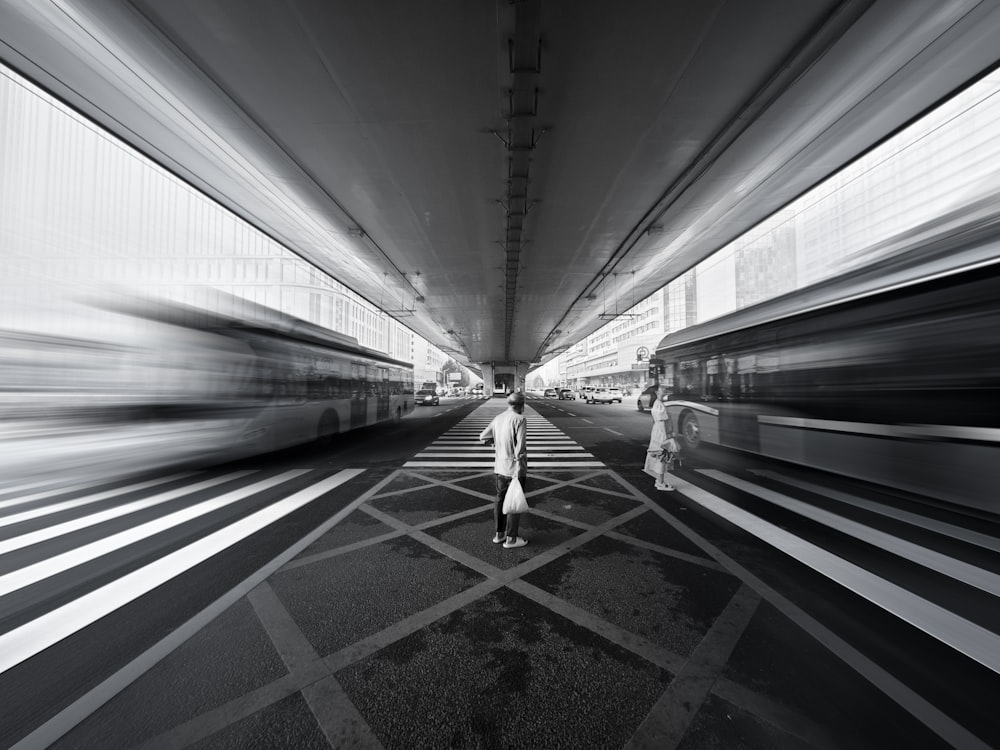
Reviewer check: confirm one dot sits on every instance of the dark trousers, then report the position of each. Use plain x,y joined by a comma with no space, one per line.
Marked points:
507,524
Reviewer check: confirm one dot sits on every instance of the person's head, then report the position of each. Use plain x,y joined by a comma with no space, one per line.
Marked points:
516,401
662,391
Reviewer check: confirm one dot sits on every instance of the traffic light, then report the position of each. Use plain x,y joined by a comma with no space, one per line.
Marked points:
656,368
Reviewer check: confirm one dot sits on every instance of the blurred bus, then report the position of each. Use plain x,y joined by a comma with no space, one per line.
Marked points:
287,380
192,386
890,374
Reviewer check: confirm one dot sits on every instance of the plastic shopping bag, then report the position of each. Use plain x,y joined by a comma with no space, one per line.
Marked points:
672,451
514,501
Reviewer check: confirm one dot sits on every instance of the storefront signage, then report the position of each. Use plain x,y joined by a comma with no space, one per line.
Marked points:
642,354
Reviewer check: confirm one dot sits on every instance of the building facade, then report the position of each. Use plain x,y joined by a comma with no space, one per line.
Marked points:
84,217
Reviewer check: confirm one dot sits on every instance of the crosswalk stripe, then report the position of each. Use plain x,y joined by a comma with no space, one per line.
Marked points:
477,445
59,529
961,571
41,570
489,450
29,639
88,499
489,464
531,454
964,636
914,519
461,441
55,508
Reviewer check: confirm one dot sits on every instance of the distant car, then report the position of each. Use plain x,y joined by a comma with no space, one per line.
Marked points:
426,397
585,393
646,399
567,395
606,395
550,393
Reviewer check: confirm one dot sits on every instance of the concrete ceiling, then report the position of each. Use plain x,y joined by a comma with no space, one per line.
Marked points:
499,175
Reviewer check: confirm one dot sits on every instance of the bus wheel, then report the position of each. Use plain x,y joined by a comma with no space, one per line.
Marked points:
639,405
690,431
329,425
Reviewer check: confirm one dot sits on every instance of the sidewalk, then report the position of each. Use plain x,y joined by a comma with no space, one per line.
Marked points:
400,625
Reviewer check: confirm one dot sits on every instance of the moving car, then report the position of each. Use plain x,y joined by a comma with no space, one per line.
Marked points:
426,397
567,395
646,398
585,392
550,393
606,395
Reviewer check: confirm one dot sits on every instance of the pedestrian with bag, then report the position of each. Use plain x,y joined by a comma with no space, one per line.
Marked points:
662,444
508,435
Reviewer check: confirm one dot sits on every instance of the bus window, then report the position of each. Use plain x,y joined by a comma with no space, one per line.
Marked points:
690,380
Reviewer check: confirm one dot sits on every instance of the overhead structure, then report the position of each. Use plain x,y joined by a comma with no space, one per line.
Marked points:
489,171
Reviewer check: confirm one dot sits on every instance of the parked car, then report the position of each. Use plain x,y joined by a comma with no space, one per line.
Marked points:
426,397
606,395
567,395
550,393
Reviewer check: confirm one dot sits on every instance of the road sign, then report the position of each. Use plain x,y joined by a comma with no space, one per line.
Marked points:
642,354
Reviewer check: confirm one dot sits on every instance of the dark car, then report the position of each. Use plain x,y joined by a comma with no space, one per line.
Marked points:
426,397
567,395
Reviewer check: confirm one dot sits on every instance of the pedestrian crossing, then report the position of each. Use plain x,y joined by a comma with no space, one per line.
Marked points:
51,536
911,567
549,447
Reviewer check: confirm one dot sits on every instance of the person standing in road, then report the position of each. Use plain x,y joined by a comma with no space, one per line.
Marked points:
508,434
657,454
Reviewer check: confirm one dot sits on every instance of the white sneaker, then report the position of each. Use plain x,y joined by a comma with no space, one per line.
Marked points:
664,487
516,542
497,538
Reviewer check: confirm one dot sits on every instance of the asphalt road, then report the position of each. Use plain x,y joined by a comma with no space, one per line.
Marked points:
924,624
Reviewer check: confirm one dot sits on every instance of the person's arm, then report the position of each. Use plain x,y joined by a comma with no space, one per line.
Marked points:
521,445
486,436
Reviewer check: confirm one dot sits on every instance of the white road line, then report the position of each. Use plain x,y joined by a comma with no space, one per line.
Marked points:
546,441
43,569
914,519
614,432
86,500
51,488
488,449
531,454
29,639
966,637
960,571
489,464
51,532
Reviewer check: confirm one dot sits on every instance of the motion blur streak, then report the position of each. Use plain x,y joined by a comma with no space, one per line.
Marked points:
176,384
